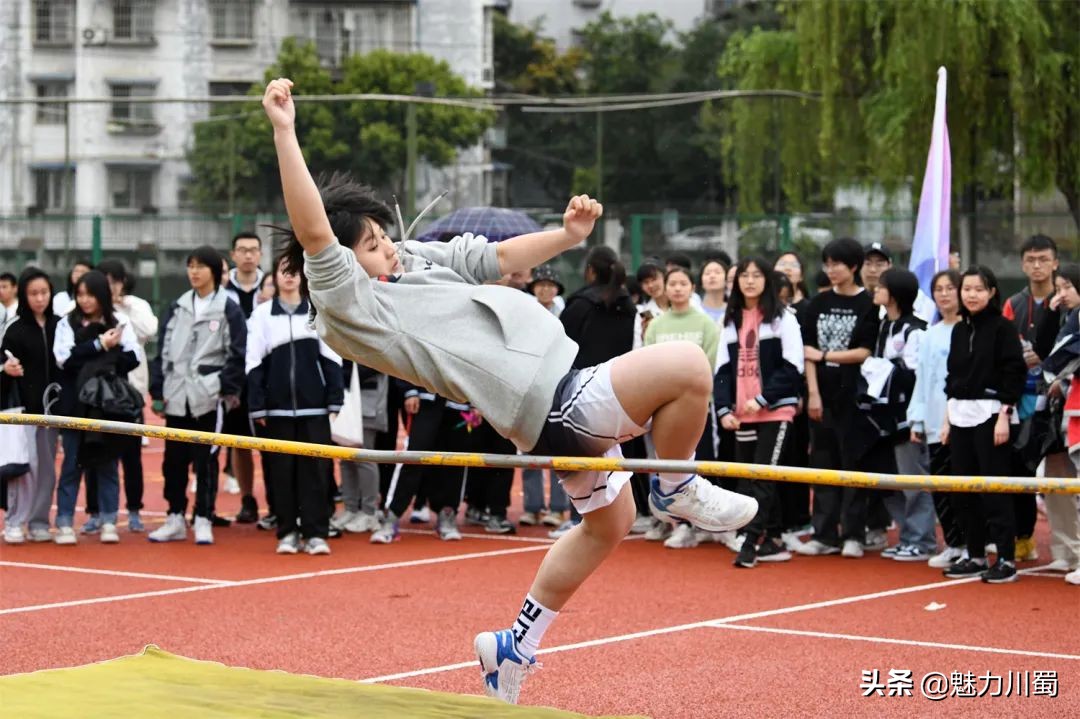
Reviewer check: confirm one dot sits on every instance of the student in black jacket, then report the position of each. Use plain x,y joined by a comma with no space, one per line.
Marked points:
986,378
294,389
30,369
92,340
600,316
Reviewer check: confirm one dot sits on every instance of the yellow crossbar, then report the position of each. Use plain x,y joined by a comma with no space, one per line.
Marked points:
837,478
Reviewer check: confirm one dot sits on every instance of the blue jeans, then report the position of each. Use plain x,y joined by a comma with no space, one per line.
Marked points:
913,510
107,475
533,481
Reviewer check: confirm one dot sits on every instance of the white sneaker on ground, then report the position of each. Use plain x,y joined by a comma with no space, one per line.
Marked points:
1073,577
946,558
338,521
702,504
317,545
14,534
174,530
39,534
420,516
204,531
682,537
65,535
503,667
231,485
387,531
109,534
289,544
529,519
876,541
1060,565
446,525
852,549
641,524
659,531
815,548
361,523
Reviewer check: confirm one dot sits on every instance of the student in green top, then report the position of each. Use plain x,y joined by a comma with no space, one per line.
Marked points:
684,322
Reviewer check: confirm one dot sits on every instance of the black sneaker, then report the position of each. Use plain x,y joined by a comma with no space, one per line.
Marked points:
249,511
771,551
966,568
476,517
499,525
333,533
267,523
1002,572
747,557
218,521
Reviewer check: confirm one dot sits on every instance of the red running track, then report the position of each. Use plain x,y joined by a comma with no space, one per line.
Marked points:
666,633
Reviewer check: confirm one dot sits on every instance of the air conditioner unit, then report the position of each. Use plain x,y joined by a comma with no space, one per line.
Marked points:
95,36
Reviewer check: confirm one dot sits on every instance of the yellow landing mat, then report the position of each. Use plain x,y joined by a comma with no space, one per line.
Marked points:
155,683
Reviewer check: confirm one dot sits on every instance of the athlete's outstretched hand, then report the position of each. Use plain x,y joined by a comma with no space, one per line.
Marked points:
580,216
278,103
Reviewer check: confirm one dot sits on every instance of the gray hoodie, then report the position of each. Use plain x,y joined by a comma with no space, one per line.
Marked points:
438,327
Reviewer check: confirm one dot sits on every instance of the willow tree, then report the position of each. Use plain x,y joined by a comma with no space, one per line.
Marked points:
1013,106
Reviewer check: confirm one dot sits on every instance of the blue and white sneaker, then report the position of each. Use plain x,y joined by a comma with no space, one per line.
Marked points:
92,526
502,665
703,504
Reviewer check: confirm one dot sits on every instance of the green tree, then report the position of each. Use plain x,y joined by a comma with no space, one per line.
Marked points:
232,157
1014,95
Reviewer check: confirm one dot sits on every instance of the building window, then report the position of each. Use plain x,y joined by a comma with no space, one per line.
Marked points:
130,188
54,21
231,19
51,113
339,32
128,116
133,21
225,88
51,188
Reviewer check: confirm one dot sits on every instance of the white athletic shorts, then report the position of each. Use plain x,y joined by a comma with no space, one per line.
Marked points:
586,420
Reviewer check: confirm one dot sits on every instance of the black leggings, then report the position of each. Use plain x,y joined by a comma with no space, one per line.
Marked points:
947,504
434,428
990,516
765,447
489,489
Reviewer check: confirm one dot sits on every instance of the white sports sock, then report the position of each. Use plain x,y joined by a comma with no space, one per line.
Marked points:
531,623
669,481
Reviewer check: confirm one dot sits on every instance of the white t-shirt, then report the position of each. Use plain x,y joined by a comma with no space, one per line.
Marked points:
199,304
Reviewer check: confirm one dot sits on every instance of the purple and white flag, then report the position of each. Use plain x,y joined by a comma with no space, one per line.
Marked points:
930,246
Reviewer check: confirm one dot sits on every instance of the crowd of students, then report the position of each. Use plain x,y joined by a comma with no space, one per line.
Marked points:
863,375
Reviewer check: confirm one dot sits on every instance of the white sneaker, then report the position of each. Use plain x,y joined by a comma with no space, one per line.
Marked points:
946,558
338,521
420,516
503,667
317,545
109,534
682,537
387,531
231,485
174,530
729,539
852,549
362,523
703,505
659,531
204,531
1059,565
65,535
815,548
289,544
1073,577
40,534
876,541
14,534
446,525
642,524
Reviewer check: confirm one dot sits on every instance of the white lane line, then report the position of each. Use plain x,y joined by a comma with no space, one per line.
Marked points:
114,573
708,623
472,535
271,580
905,642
